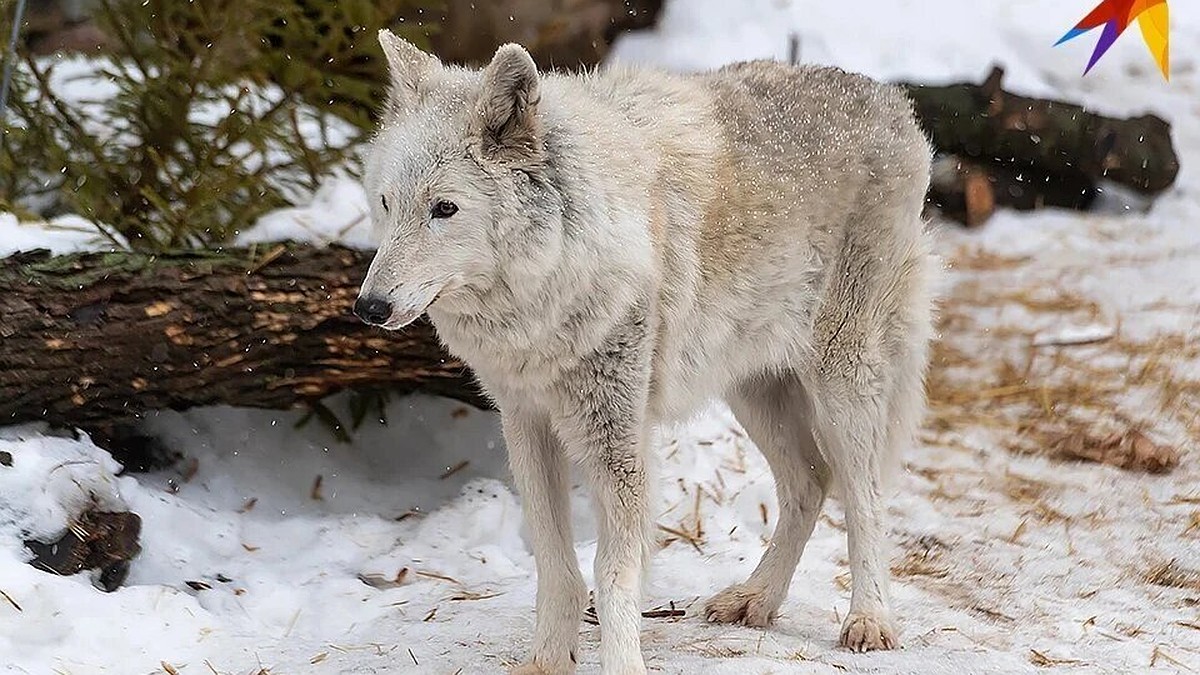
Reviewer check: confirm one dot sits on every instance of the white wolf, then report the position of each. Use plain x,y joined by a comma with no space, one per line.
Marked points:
609,251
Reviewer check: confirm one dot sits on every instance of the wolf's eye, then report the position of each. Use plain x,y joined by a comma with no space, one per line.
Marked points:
443,209
383,200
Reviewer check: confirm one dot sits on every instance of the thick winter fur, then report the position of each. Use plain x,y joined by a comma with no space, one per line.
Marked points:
631,244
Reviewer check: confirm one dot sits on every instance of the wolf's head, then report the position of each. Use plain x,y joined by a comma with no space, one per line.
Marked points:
453,180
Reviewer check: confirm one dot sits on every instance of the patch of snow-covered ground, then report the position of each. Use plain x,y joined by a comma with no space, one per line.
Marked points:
1005,563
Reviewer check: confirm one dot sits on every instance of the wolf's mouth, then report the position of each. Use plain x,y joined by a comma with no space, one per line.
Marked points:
398,321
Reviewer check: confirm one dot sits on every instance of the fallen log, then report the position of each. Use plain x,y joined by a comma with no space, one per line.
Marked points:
970,191
565,35
1036,152
93,339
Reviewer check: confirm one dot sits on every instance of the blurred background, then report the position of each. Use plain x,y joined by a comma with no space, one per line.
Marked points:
208,465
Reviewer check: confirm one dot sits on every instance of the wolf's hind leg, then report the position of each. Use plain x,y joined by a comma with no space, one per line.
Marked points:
870,342
870,433
775,412
851,428
867,395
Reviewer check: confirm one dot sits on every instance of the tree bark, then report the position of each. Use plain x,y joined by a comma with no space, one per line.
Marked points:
91,339
1037,152
969,191
567,34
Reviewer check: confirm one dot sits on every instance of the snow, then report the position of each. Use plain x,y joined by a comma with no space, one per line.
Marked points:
62,235
1074,335
337,214
1013,561
50,480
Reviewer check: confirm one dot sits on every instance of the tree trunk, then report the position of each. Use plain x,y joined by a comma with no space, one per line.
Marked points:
567,34
1046,142
970,191
95,338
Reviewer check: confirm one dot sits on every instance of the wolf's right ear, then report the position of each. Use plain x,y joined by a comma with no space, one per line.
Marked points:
407,67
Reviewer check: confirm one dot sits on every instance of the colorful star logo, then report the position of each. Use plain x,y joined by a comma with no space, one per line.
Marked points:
1115,16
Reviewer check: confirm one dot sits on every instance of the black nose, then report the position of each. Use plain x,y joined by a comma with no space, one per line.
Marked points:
372,310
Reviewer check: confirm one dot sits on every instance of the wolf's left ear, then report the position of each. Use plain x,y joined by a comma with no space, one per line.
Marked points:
407,67
507,108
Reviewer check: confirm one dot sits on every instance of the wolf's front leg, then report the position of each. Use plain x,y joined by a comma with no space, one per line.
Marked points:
603,424
619,482
539,468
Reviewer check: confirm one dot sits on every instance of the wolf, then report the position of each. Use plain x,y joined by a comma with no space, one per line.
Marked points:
611,250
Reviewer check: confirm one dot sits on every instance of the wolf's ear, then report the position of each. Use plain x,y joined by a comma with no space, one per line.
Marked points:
507,108
407,66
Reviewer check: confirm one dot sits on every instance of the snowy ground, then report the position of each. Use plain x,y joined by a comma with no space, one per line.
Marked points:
1006,561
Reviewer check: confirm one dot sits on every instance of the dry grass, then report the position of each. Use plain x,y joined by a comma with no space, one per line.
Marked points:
693,532
1158,653
668,612
923,557
1072,401
382,582
1173,575
1041,660
713,648
12,602
1193,526
1129,450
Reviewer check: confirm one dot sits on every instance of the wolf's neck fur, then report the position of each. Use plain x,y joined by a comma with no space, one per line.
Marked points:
576,302
578,272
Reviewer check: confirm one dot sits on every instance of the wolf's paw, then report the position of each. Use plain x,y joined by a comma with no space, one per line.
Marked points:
632,667
863,633
742,603
535,668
